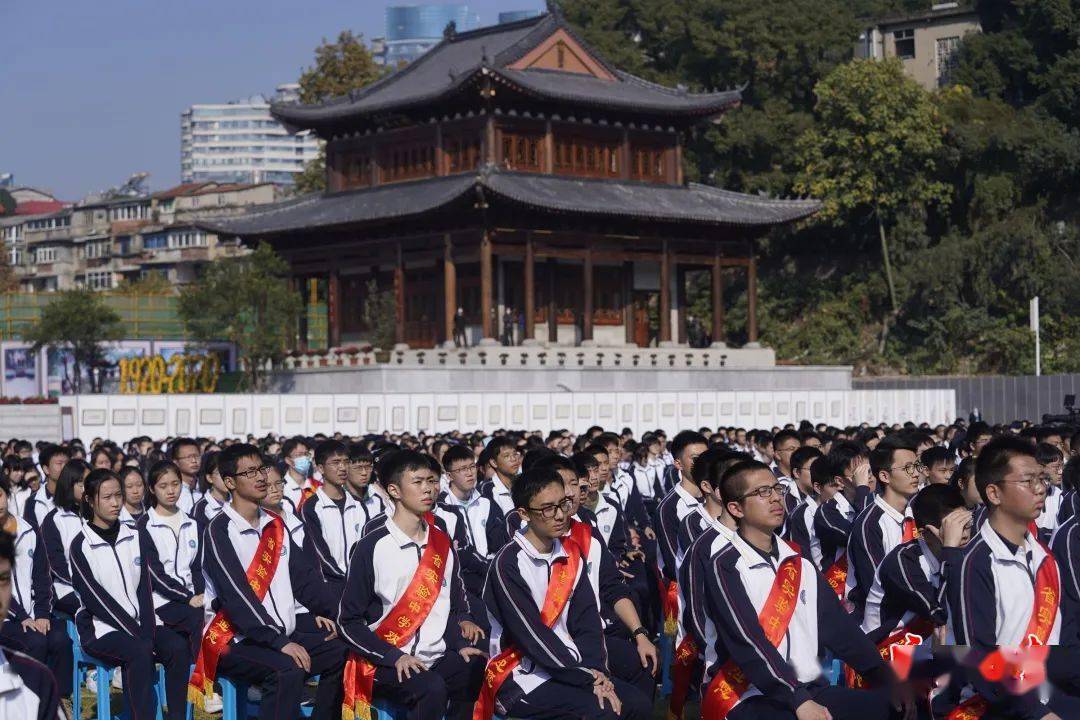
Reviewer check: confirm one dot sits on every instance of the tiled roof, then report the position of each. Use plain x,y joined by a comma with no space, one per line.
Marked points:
694,203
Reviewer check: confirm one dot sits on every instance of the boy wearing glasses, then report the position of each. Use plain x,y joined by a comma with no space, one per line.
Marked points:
883,525
785,443
799,526
546,642
774,612
359,484
502,459
1006,588
403,605
186,454
332,517
256,577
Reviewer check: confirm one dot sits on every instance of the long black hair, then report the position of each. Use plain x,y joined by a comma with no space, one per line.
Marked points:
74,471
91,486
209,467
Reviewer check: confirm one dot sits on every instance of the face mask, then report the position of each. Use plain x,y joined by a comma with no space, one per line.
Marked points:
302,465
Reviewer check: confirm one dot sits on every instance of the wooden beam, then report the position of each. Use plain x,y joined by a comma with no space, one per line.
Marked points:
399,298
333,307
549,148
587,310
486,287
665,293
440,151
628,300
449,287
552,320
624,155
680,303
530,288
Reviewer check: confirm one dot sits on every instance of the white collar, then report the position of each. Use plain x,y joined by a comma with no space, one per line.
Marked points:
95,540
265,517
931,559
889,509
10,681
326,502
154,518
997,547
686,498
753,557
715,524
602,504
474,497
401,538
557,550
842,503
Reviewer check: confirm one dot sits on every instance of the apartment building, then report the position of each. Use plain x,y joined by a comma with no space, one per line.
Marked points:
926,43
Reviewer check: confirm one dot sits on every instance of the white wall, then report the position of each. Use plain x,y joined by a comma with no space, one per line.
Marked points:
124,416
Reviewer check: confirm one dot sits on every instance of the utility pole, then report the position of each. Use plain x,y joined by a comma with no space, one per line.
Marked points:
1034,311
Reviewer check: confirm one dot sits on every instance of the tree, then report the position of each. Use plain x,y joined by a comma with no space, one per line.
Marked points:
380,313
80,323
246,301
340,67
150,284
313,177
873,150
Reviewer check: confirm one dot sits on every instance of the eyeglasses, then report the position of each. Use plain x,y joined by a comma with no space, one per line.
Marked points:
275,484
1031,482
361,465
188,457
765,491
464,468
912,468
252,473
548,512
789,449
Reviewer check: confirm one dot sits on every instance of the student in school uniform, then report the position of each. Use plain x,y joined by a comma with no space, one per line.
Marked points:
785,443
187,455
404,605
502,458
333,518
28,689
252,634
1052,461
882,525
59,528
134,489
296,455
20,489
361,484
53,458
116,620
215,494
30,625
850,490
774,614
546,643
799,525
1005,589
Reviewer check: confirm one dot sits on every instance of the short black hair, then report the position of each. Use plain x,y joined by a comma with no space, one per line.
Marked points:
531,458
231,456
532,483
803,454
457,453
174,448
396,464
1070,476
884,453
710,465
964,472
556,462
91,486
291,444
933,503
733,481
844,452
328,448
50,451
208,467
493,448
7,547
684,438
1045,453
583,463
934,455
73,473
822,471
785,435
993,462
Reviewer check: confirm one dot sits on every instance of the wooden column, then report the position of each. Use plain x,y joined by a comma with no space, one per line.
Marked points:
678,159
333,308
295,285
751,302
440,151
680,304
628,300
399,298
587,310
552,313
449,289
530,290
549,148
489,139
486,323
717,302
373,151
624,156
665,293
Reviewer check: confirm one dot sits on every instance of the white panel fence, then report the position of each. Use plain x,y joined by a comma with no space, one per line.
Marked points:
120,417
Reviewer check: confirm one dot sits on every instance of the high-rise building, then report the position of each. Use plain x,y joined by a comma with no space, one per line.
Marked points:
514,15
412,30
239,142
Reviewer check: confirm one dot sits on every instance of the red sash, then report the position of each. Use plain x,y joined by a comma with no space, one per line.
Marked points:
400,624
730,683
1040,625
669,598
910,531
836,576
560,588
682,667
306,493
895,650
220,632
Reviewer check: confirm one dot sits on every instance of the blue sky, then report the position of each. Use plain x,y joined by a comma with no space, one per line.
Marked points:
92,91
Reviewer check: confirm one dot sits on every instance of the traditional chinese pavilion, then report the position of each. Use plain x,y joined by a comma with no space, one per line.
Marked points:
513,167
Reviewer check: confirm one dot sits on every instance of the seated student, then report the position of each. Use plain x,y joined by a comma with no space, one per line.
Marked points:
404,603
59,528
850,490
172,557
252,633
483,521
1005,588
134,489
718,527
53,458
360,485
940,465
631,655
333,518
215,494
1052,461
295,454
906,604
882,525
621,484
21,491
546,644
774,614
116,620
187,455
27,688
799,525
29,624
784,444
502,458
1070,483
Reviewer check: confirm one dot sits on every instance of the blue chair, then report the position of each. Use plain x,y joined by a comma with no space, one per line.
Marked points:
667,656
160,690
85,663
233,693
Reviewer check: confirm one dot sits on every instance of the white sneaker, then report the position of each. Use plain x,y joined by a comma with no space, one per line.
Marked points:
212,704
91,682
118,679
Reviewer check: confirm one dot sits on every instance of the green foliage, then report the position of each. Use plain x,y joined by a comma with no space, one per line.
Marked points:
340,66
76,321
380,315
149,284
247,301
313,177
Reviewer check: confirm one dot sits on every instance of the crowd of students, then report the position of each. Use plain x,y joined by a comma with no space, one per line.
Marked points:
469,576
